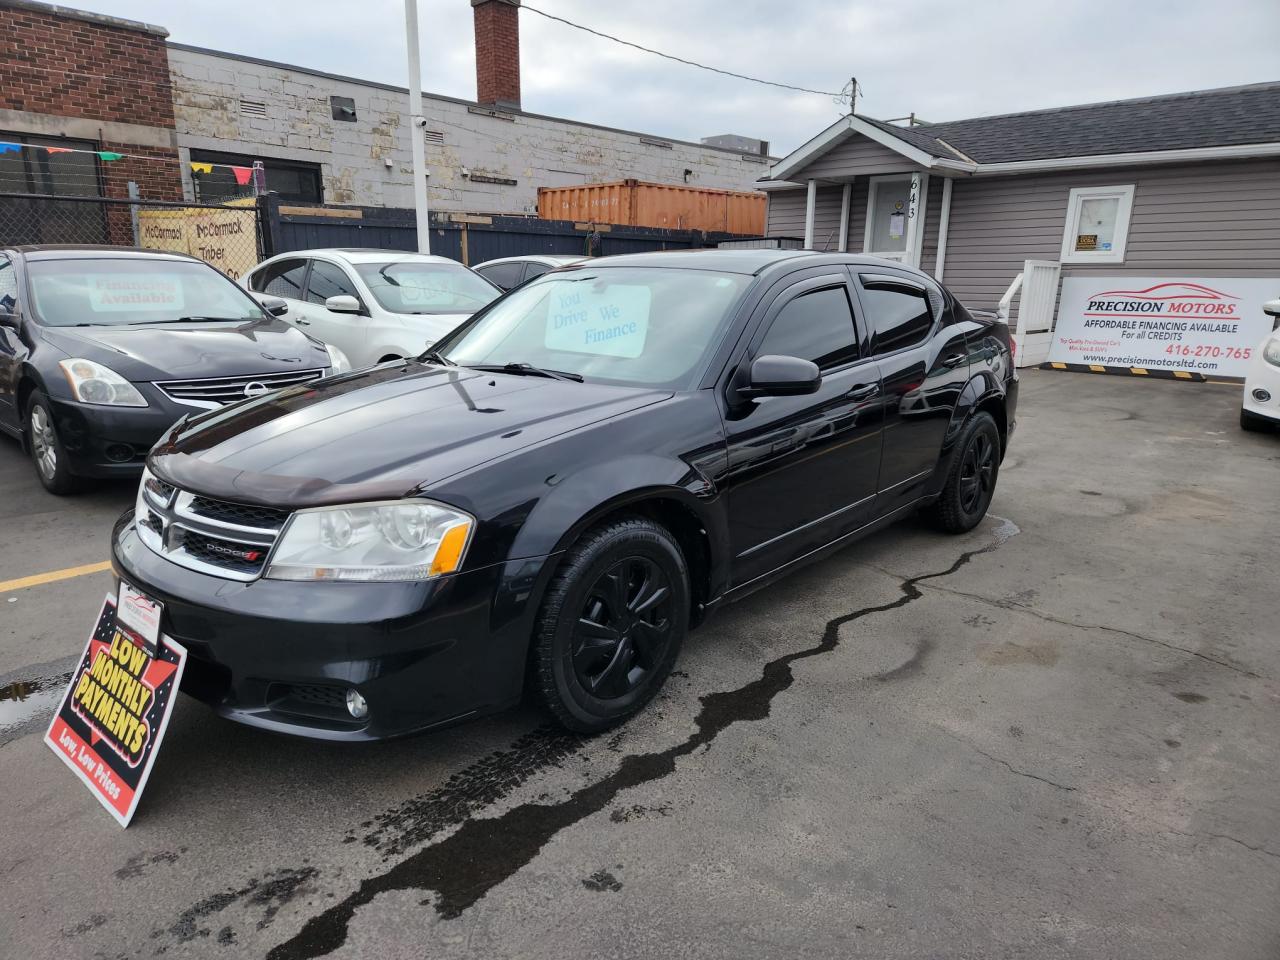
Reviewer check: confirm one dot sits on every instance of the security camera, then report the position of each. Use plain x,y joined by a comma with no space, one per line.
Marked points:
420,122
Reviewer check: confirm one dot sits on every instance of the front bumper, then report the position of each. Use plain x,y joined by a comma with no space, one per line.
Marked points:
1265,377
280,654
106,442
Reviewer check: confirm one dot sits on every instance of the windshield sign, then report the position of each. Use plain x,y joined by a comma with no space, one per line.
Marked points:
415,287
645,326
107,292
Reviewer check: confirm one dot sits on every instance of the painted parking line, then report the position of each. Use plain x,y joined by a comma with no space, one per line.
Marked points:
53,576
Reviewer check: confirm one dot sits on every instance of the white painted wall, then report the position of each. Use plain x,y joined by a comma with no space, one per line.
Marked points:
534,151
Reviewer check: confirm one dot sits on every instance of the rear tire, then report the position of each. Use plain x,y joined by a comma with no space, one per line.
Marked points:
611,625
971,480
1252,423
47,453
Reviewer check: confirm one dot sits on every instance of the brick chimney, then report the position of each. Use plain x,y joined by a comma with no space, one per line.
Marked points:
497,26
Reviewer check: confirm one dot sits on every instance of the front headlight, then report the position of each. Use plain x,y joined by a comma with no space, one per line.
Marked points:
93,383
1271,352
338,362
395,540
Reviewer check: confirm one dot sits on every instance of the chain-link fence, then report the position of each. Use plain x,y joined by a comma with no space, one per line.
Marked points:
226,235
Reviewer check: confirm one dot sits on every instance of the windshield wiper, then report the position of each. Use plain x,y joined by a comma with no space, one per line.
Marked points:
435,356
194,319
526,370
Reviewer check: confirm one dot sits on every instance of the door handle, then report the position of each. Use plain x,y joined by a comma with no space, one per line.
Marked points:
302,321
864,393
954,359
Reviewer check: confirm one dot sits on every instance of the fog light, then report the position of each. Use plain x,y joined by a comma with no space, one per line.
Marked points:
356,704
119,452
1262,396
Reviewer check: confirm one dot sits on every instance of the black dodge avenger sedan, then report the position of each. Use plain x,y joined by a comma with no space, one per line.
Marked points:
568,482
103,348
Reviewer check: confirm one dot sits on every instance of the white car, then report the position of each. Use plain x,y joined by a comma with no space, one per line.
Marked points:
373,305
1261,409
510,272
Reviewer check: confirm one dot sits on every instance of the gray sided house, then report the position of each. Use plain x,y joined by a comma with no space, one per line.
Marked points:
1178,190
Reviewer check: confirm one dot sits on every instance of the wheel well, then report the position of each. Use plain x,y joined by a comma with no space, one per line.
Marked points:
994,405
689,532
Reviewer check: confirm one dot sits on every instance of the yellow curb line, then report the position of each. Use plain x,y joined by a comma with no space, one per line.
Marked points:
53,576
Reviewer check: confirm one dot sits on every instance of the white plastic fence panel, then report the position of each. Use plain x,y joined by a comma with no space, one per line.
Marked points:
1033,329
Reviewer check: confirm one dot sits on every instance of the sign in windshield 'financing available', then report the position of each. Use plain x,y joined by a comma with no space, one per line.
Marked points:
1205,325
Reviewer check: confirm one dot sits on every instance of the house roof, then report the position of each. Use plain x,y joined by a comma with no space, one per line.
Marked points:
1228,117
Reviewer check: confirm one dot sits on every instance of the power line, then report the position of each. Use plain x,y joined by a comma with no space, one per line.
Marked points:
668,56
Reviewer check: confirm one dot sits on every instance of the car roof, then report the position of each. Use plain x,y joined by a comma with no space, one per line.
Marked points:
750,262
89,251
368,255
559,259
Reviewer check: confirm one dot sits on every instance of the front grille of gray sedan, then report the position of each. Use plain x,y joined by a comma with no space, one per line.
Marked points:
216,391
216,537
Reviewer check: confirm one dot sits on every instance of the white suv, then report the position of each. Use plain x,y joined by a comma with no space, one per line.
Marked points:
1261,407
373,305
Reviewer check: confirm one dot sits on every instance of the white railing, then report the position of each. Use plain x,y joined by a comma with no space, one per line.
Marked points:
1033,326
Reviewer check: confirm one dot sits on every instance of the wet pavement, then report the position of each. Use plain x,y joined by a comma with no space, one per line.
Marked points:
1057,736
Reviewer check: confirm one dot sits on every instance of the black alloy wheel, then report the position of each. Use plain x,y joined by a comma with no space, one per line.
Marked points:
971,480
611,624
624,629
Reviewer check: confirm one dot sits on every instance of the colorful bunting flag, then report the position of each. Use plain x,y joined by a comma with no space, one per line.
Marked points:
243,174
58,150
109,155
10,148
202,168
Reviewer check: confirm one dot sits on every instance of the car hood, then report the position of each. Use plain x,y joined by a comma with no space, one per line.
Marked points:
189,351
379,433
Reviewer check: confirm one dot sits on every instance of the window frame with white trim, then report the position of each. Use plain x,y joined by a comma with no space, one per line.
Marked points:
1123,195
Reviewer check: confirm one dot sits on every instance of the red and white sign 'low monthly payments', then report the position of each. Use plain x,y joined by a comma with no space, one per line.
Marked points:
1208,325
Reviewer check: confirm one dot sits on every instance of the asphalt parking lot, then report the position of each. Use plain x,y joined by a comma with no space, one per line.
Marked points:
1057,736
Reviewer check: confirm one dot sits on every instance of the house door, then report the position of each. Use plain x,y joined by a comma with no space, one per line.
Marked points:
888,217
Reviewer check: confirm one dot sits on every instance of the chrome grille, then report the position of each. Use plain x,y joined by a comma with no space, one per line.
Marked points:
217,537
220,390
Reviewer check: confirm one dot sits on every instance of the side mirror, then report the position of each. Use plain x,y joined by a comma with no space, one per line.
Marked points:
774,376
1272,308
274,306
342,303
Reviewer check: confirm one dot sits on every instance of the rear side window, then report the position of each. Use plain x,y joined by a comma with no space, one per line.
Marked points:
281,279
899,314
328,280
537,270
8,286
505,275
815,326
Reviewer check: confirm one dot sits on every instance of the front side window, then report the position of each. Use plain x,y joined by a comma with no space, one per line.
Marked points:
328,280
505,275
1097,224
815,326
425,287
899,314
641,326
281,279
114,292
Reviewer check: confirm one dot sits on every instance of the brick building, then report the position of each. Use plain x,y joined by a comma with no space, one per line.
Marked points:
81,83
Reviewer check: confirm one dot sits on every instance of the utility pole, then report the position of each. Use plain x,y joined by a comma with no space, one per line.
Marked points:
417,123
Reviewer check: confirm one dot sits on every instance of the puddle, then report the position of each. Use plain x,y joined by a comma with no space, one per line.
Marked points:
27,702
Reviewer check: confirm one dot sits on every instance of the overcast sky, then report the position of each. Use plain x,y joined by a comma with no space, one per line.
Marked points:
942,59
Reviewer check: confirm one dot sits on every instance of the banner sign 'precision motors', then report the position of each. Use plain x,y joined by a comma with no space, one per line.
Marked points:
114,713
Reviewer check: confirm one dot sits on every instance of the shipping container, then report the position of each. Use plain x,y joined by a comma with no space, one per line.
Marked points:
634,203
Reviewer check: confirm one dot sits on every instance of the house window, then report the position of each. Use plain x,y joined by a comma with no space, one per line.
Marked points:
1097,224
67,172
294,180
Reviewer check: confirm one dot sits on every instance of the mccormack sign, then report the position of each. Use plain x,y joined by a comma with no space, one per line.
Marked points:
1210,325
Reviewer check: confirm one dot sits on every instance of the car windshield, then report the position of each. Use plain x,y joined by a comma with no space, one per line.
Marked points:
645,326
424,287
113,292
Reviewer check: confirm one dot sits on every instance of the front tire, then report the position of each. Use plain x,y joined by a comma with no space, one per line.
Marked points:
47,453
971,481
611,625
